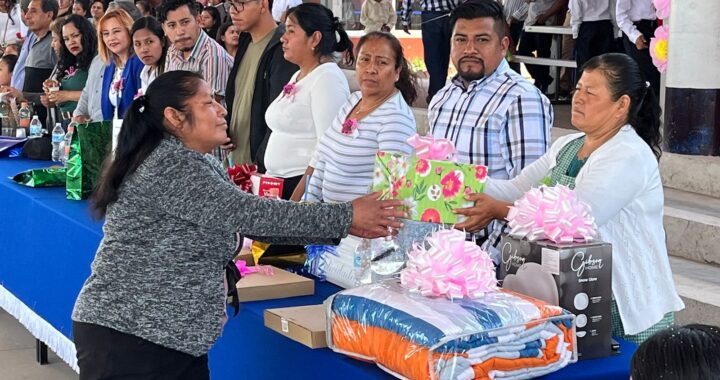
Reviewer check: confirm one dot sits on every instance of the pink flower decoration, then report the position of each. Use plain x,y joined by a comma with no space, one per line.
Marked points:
70,72
430,215
119,85
662,8
438,170
349,127
480,172
452,183
18,35
659,48
422,167
408,184
448,266
289,90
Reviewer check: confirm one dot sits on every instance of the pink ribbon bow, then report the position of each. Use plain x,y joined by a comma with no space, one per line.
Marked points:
451,267
245,270
430,148
553,213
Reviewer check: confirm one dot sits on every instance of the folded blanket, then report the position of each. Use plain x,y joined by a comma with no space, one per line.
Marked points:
503,335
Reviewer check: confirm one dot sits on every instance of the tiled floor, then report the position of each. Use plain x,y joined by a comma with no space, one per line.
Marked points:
17,355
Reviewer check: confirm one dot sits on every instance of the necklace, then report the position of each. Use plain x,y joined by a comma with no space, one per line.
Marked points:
359,111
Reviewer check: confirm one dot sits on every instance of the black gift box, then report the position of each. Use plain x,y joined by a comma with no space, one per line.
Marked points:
576,277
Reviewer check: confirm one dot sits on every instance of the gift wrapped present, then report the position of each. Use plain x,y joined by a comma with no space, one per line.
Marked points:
48,177
430,182
359,261
500,335
446,319
551,254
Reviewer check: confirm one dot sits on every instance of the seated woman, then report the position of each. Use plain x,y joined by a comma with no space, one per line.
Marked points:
97,10
172,222
299,117
78,48
613,167
375,118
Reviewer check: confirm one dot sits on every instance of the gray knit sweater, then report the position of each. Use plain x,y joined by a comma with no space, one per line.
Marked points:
158,273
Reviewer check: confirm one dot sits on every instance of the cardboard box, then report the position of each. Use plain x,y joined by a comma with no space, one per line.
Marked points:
430,188
267,186
282,284
303,324
577,277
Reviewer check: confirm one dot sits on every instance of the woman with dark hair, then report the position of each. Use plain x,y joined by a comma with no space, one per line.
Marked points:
210,21
679,353
228,37
144,8
613,167
7,65
376,118
298,118
78,48
82,8
151,46
186,221
97,10
12,28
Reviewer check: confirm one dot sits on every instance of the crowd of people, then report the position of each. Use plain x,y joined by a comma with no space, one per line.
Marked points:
189,82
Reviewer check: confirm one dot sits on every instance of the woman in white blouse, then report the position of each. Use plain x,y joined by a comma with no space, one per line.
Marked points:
299,117
613,167
376,118
12,29
151,47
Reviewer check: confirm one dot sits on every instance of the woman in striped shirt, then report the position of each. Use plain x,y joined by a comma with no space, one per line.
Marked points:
376,118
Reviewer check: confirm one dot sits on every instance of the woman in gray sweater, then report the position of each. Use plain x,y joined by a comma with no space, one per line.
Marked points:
154,303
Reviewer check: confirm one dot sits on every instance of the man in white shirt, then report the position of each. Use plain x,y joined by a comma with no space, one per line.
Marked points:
637,20
541,12
591,27
515,12
280,7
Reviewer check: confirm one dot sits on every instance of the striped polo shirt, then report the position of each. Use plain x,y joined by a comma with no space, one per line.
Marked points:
207,58
344,168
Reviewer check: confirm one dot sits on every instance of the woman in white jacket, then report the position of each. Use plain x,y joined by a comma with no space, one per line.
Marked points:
613,167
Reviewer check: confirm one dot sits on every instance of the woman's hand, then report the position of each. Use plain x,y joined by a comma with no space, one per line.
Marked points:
46,102
373,218
12,92
486,209
58,97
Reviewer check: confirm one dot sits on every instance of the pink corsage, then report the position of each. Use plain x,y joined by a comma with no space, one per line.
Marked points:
289,90
349,128
119,85
70,72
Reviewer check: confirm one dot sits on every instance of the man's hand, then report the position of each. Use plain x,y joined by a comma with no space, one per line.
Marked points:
641,43
542,19
385,28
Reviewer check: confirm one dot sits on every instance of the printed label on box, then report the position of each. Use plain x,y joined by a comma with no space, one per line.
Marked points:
550,261
284,325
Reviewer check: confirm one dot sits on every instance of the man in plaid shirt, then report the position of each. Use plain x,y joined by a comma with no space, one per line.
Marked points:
492,114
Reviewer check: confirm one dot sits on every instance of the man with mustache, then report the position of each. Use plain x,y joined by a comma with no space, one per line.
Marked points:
491,113
193,50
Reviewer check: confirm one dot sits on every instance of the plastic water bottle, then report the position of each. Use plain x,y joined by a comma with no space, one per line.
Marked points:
24,115
66,143
35,127
58,135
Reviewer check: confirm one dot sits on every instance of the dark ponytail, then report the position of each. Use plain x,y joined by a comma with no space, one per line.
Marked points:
142,131
625,78
407,81
313,17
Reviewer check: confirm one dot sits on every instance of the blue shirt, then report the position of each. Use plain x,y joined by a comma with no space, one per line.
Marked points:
18,75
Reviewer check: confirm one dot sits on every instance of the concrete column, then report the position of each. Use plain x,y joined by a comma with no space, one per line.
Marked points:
692,98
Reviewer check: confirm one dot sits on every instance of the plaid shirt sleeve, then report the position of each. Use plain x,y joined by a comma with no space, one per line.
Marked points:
526,134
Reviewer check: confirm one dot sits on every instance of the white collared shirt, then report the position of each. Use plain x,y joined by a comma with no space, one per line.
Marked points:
587,10
629,11
537,8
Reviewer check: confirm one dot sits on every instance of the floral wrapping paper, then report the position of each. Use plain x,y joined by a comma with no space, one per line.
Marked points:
431,189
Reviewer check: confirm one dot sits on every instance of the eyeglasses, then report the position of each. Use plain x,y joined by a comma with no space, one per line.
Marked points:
239,6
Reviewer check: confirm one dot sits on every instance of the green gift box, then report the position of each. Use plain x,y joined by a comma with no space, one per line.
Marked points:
53,176
89,146
431,189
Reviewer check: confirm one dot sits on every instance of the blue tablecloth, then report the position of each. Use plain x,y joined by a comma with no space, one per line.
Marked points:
47,244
